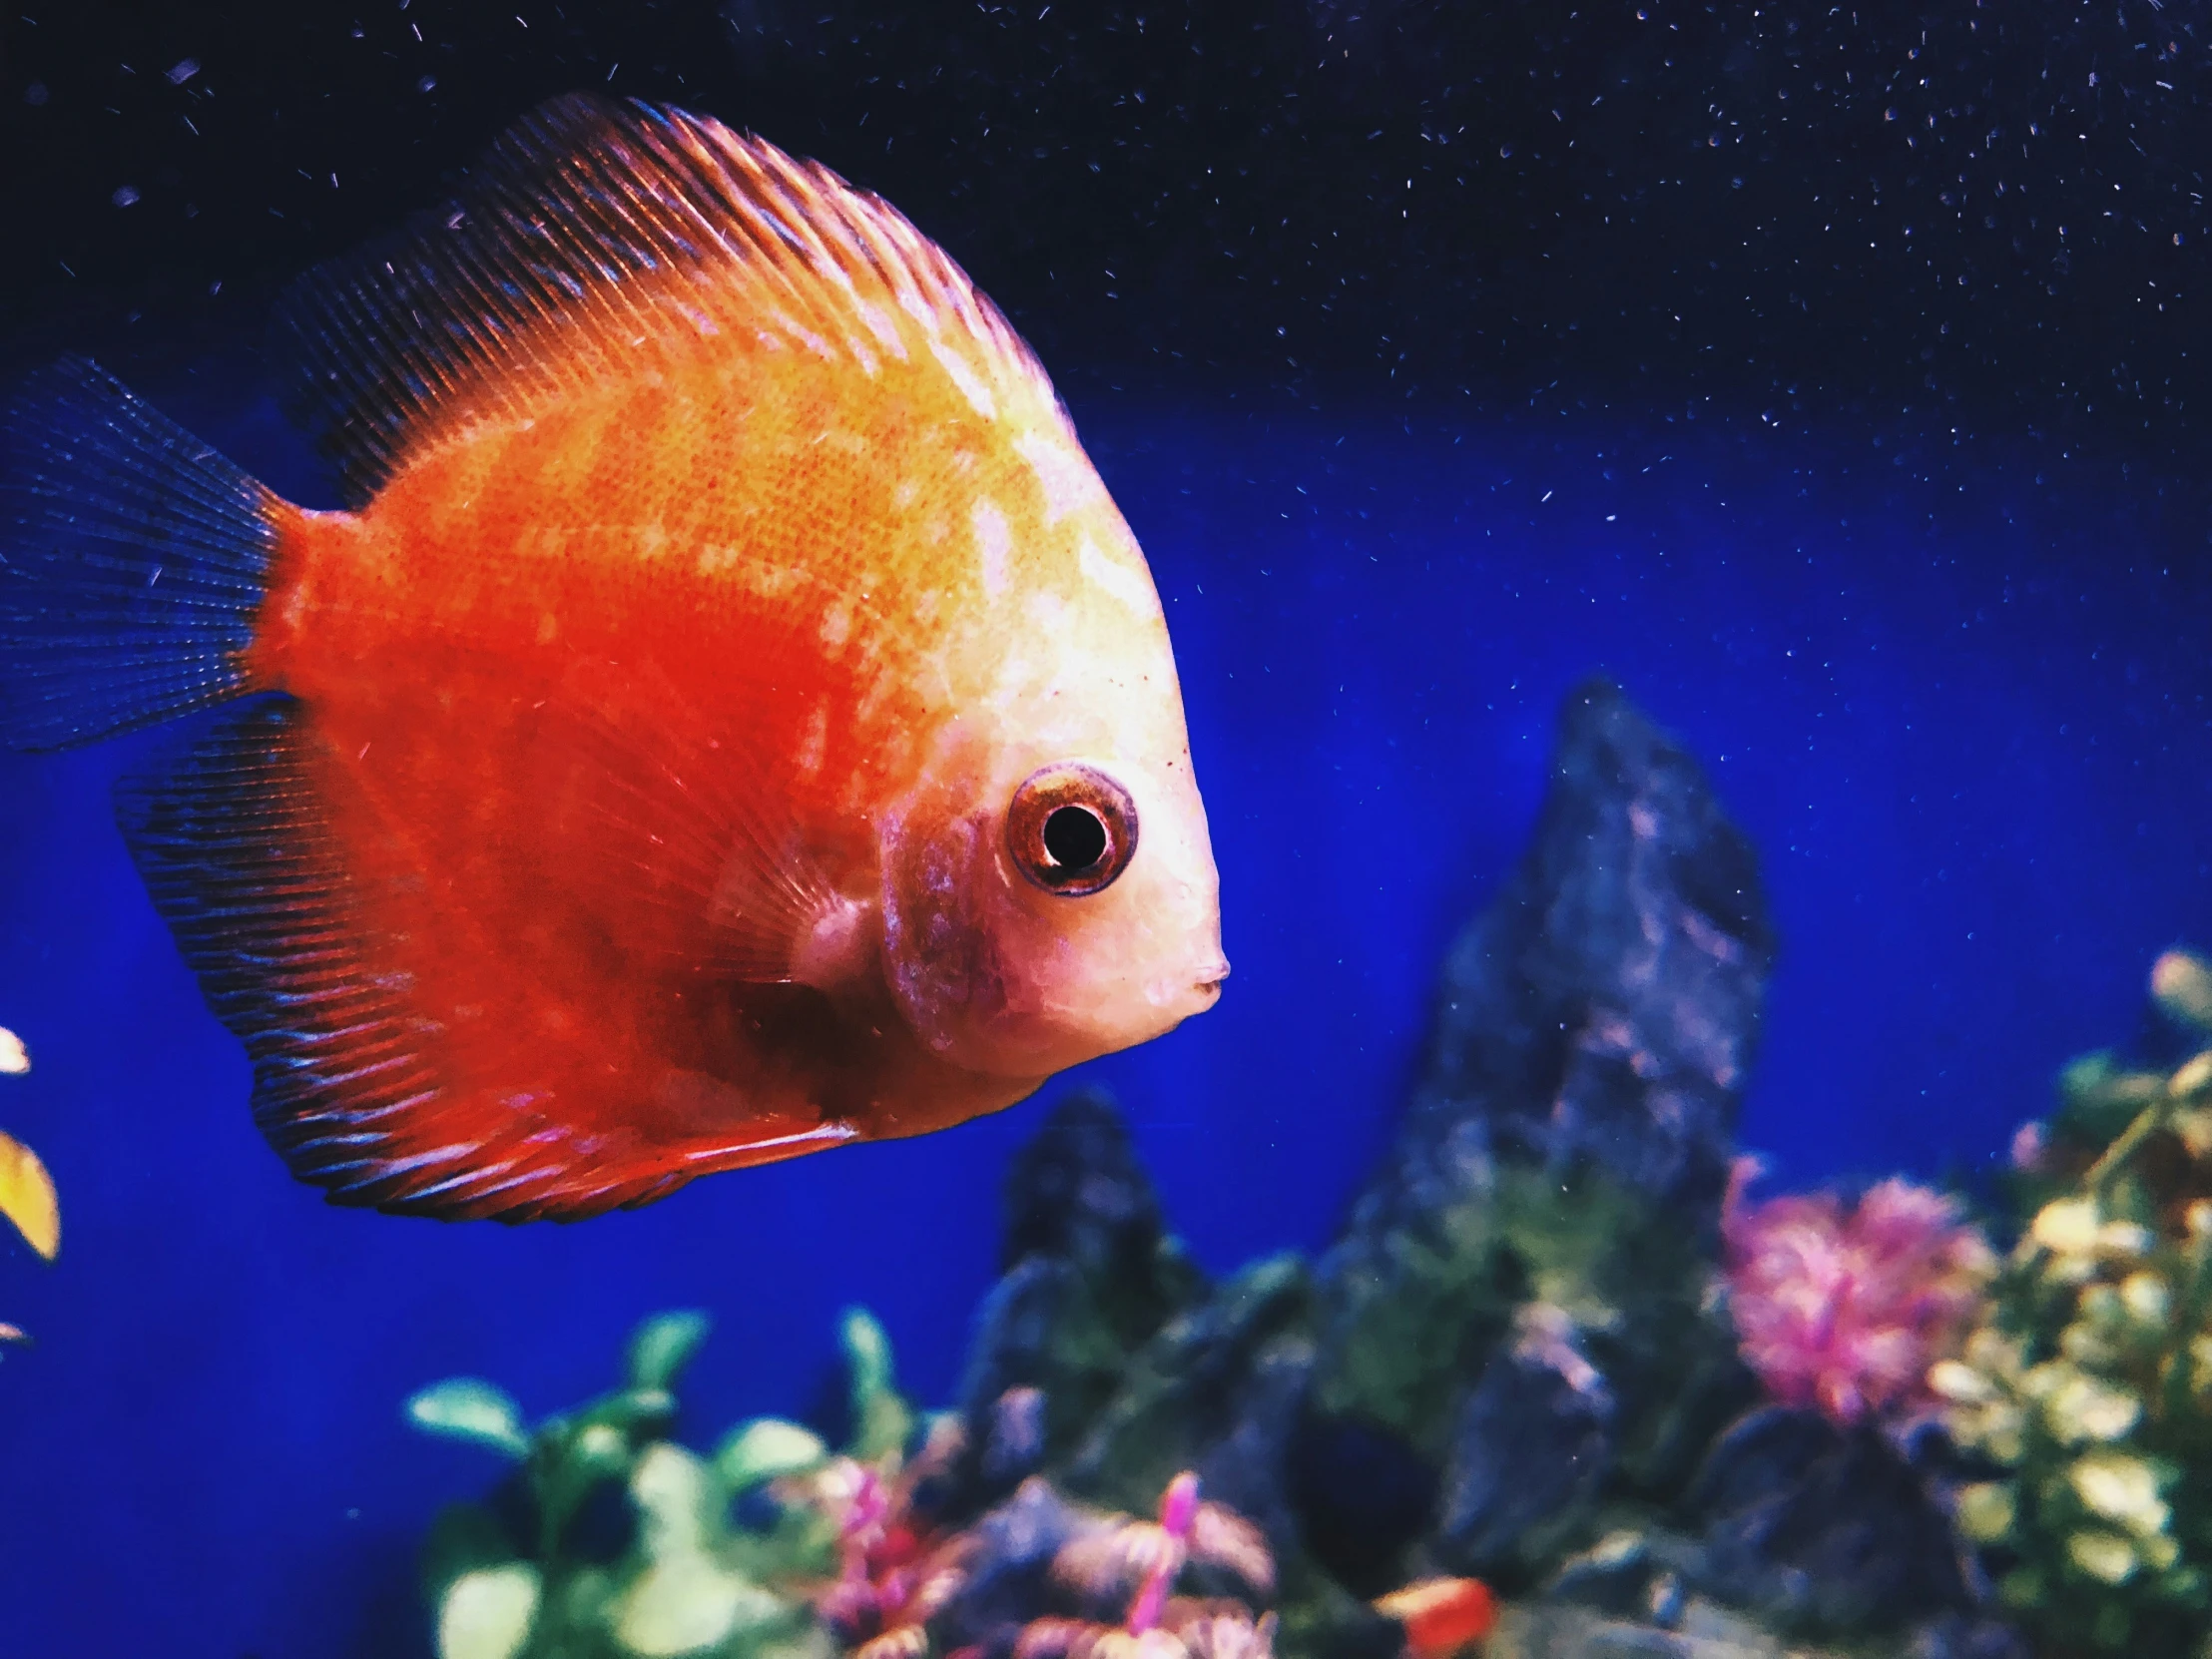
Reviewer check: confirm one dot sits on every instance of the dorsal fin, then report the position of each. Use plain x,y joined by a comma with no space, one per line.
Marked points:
593,233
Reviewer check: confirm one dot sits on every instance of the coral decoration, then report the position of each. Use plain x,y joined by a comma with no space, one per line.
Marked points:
1150,1556
1845,1308
1441,1616
1188,1630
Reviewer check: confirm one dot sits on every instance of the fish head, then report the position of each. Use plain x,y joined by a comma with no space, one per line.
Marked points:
1052,895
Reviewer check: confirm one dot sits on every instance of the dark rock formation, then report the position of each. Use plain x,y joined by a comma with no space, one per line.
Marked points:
1604,1008
1664,1586
1533,1448
1077,1193
1955,1636
1219,1391
1009,1568
1562,1162
1089,1276
1816,1527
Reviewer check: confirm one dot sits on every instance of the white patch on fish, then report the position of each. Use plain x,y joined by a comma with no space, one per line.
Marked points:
1116,578
964,376
1067,477
1049,616
994,541
812,745
880,323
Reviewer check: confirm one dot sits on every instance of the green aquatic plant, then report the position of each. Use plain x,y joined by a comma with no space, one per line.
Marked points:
534,1578
1573,1267
2087,1381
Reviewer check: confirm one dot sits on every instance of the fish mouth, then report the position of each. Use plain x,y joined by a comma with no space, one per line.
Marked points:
1175,999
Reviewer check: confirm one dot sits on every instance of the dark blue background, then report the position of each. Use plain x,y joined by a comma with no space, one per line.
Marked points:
1954,687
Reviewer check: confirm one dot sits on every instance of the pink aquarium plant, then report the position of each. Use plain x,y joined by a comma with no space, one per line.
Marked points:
1845,1307
896,1572
1145,1559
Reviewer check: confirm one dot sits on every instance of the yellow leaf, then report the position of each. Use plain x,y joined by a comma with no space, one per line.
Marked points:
27,1197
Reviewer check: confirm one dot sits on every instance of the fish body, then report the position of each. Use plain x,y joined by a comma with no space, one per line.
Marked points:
733,720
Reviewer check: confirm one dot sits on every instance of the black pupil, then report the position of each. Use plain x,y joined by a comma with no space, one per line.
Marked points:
1075,838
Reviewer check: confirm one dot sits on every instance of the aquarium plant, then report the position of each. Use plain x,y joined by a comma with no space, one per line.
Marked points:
2086,1383
1580,1255
26,1190
1842,1307
1145,1559
826,1557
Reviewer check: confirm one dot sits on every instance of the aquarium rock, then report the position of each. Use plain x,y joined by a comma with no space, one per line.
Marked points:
1009,1565
1697,1630
1604,1008
1217,1391
1521,1295
1955,1636
1533,1448
1816,1525
1088,1275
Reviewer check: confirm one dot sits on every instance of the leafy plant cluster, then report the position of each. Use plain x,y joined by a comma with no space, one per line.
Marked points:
684,1561
2087,1381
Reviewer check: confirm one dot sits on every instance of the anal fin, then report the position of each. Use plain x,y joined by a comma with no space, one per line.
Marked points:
355,1086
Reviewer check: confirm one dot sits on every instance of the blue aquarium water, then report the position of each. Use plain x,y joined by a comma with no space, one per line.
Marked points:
1953,690
1639,726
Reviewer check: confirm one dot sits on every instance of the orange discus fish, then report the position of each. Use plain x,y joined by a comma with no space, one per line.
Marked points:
733,720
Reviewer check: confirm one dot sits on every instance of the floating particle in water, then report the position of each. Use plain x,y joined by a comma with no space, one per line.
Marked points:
124,195
183,70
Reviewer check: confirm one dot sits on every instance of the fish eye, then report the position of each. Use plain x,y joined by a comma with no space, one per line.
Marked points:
1071,829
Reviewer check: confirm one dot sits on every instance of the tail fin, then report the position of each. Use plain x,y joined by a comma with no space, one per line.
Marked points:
132,561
